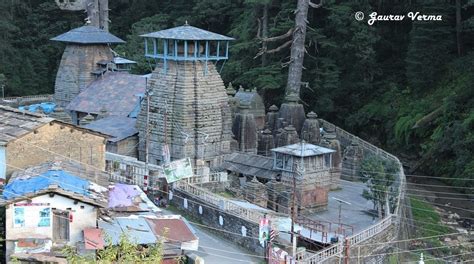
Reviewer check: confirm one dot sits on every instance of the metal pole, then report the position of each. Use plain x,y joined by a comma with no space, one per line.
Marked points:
265,249
269,252
293,211
340,206
147,137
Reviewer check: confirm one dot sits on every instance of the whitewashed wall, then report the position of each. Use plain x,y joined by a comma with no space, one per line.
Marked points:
82,218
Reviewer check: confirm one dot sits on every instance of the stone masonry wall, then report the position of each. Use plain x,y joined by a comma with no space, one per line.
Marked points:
189,111
74,72
211,217
56,141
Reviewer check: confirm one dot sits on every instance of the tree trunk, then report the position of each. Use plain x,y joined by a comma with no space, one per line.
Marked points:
458,27
92,9
104,14
379,208
295,70
265,33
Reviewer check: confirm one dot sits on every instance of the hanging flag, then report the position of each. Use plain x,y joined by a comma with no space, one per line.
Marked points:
264,231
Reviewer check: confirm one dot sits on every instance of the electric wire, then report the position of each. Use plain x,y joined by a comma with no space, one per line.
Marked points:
220,230
87,164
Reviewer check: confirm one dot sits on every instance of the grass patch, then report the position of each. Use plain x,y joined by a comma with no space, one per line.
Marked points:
428,223
428,219
226,194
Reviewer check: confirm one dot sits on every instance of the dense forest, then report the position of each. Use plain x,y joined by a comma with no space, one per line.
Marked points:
407,86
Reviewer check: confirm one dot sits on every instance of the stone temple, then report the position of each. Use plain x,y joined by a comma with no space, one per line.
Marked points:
187,106
85,47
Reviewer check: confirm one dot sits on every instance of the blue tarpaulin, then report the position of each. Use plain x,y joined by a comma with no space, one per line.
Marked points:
64,180
47,107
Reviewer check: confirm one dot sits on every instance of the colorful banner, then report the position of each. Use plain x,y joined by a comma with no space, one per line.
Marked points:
178,169
264,231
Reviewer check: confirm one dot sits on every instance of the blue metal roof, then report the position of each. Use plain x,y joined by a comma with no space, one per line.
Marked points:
186,32
88,35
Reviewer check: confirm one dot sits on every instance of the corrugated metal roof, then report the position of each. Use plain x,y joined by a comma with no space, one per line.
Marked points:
93,238
119,127
173,229
135,227
303,150
88,35
115,92
186,32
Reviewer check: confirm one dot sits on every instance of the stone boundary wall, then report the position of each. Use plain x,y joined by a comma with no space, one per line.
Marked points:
368,246
26,100
216,219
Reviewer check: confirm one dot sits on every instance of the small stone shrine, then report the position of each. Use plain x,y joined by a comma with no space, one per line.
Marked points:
310,132
352,157
244,129
330,140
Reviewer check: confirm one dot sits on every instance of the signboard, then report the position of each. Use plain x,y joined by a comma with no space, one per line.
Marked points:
264,231
31,215
178,169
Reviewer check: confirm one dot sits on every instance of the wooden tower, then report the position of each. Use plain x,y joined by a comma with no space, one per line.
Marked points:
187,114
85,47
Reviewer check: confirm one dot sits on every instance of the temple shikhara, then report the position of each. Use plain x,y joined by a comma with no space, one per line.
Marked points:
186,112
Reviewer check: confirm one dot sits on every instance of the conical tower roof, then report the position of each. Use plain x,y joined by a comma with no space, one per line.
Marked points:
88,35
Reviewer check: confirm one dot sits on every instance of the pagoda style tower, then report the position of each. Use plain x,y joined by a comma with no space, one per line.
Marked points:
85,47
187,114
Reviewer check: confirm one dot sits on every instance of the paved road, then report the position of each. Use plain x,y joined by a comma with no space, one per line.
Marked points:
216,250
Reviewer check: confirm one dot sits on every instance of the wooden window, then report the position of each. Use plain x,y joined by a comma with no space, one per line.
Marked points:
283,162
60,225
327,160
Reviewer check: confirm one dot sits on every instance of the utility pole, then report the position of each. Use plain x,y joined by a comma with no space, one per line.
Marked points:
293,218
340,207
147,125
299,170
147,135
